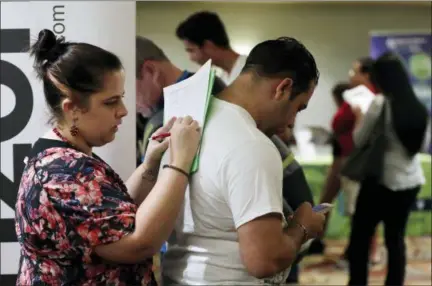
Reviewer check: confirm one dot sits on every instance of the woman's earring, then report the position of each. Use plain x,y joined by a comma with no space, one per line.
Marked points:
74,128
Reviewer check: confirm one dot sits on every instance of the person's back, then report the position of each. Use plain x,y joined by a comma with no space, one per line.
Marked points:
205,246
231,230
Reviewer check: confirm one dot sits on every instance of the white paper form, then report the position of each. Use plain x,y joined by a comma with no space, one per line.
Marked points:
189,97
359,96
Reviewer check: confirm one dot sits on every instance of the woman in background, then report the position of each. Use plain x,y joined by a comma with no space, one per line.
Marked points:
76,221
407,130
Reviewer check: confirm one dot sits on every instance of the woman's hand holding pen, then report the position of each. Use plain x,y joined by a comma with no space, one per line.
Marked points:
156,148
182,136
184,141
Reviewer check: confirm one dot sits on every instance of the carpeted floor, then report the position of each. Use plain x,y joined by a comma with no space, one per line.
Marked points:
322,270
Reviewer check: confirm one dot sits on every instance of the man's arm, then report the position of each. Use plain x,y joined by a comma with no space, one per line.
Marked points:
253,175
265,248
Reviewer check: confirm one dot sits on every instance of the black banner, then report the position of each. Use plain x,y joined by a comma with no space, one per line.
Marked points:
14,41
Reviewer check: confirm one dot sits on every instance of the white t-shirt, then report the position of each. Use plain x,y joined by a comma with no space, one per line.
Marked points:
239,179
228,78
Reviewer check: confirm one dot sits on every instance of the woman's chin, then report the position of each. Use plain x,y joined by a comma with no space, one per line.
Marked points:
103,141
110,138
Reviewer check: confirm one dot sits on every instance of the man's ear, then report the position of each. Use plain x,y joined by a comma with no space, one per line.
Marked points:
208,46
148,67
152,70
284,88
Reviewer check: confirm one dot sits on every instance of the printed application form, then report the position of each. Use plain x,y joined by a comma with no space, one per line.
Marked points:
191,97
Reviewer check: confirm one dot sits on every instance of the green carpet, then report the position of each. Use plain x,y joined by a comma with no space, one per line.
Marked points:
419,223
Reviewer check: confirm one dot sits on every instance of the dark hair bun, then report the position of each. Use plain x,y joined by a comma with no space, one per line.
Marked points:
47,49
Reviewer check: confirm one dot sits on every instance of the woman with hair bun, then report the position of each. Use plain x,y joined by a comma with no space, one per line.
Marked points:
77,222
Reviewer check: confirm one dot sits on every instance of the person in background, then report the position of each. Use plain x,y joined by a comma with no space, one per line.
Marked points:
77,222
344,120
231,230
360,73
295,189
343,124
154,72
204,37
332,183
407,131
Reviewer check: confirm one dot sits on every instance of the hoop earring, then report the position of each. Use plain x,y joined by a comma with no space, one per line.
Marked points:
74,129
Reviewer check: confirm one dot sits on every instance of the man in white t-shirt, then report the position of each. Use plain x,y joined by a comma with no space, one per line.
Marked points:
231,228
204,37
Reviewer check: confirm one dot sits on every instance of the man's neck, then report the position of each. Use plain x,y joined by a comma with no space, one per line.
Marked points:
241,93
226,59
171,74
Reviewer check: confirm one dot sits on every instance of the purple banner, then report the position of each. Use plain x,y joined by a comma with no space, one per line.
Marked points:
415,50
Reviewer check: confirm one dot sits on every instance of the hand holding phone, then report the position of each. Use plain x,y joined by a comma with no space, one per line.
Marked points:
322,208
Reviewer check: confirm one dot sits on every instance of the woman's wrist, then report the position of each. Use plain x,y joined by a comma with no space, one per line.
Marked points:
177,169
151,163
149,170
183,165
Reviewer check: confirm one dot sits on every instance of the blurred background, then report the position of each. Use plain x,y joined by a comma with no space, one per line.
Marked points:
337,33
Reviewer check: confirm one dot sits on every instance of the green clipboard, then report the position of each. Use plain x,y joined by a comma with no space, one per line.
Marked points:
209,96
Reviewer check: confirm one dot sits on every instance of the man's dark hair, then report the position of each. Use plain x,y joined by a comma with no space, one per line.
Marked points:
338,90
203,26
366,65
284,57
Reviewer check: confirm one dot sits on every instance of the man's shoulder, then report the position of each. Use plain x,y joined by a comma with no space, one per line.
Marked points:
218,85
157,118
228,121
231,137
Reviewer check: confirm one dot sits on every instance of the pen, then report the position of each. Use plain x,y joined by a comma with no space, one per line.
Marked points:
160,136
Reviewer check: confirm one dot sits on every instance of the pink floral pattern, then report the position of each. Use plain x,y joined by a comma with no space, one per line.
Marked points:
67,204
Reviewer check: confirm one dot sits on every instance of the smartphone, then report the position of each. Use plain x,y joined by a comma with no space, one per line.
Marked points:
322,208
